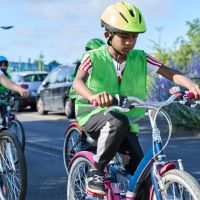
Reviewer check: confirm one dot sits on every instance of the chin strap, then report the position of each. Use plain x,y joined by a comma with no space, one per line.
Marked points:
109,42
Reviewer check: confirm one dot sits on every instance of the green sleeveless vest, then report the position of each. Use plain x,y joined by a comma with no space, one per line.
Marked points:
104,78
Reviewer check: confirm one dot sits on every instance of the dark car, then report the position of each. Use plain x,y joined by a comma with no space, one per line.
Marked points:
53,94
30,80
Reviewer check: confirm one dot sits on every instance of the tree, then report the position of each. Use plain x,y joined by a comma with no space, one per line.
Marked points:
53,64
183,49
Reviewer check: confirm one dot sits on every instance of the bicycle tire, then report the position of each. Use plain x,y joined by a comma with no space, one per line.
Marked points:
184,186
76,183
19,131
13,176
72,144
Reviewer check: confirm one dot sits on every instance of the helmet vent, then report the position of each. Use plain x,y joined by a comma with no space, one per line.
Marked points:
124,17
140,18
131,13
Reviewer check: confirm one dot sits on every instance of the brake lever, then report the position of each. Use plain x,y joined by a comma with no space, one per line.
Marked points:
188,99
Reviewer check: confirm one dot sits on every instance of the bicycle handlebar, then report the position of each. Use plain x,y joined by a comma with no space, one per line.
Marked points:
129,102
10,96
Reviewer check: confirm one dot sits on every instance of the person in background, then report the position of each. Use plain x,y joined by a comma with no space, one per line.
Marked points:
92,44
6,83
117,68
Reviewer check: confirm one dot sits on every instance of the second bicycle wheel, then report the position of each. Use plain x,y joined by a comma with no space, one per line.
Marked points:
72,144
179,185
17,128
13,175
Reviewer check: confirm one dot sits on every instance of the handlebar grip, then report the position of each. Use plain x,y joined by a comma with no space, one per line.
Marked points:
94,102
190,95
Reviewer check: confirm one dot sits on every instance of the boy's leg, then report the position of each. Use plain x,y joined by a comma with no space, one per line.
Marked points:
109,131
131,153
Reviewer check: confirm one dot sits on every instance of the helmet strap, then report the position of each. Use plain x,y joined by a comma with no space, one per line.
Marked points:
109,42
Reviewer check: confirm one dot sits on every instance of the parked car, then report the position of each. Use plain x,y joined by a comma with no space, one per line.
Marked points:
30,80
53,94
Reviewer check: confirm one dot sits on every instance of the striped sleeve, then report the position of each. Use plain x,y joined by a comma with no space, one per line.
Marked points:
86,64
152,65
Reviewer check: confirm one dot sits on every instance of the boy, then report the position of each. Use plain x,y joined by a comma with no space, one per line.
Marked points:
117,69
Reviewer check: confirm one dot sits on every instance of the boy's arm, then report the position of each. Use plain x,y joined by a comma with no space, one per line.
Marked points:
103,98
79,85
178,78
7,83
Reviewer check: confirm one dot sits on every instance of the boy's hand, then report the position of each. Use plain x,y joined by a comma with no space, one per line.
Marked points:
103,99
23,92
195,89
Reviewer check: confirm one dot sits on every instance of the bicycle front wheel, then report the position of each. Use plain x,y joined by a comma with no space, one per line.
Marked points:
13,175
76,183
17,128
179,185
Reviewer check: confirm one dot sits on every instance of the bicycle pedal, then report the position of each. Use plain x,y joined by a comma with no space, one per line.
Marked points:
108,178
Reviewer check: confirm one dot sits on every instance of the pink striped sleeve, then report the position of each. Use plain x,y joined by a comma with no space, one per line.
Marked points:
152,65
86,64
153,61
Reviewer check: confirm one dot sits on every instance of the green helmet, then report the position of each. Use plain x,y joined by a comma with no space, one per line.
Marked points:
94,43
123,17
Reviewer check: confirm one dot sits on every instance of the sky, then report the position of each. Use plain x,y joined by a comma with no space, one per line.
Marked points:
59,29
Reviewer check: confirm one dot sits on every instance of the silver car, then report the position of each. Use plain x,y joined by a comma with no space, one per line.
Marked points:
30,80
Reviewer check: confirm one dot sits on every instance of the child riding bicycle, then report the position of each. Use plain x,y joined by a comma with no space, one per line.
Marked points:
117,69
6,84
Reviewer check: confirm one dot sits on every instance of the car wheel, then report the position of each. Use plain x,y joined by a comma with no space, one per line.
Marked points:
69,108
18,106
33,107
40,107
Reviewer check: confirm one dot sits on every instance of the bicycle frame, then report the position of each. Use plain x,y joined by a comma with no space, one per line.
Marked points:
148,164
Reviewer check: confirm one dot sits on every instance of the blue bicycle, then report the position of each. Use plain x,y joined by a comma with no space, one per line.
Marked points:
169,180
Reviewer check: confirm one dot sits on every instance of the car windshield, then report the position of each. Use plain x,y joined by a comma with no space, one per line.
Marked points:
60,75
29,78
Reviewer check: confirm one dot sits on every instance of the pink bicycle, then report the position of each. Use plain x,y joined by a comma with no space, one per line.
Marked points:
169,180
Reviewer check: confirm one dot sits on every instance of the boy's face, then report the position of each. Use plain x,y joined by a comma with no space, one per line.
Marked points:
124,42
3,65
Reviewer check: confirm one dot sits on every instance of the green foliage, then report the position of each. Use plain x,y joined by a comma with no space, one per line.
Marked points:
194,35
183,55
183,49
163,56
186,57
54,62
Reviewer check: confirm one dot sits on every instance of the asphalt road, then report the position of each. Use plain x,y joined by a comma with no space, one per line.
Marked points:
44,143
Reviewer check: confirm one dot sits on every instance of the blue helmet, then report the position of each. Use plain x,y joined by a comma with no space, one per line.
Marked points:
3,59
